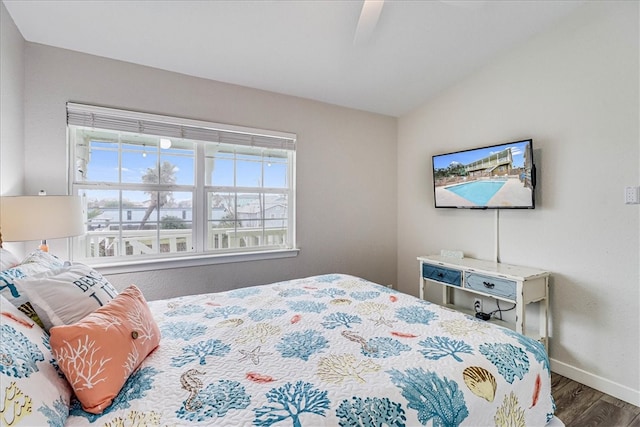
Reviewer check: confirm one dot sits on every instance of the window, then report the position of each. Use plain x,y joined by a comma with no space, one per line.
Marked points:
157,187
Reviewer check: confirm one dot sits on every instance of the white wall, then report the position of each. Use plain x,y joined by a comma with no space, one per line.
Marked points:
346,163
11,106
575,90
11,111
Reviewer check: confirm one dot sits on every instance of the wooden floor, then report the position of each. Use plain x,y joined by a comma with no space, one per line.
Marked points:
581,406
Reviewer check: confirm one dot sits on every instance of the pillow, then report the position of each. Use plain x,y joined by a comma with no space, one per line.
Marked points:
7,259
65,295
98,354
33,391
36,262
44,259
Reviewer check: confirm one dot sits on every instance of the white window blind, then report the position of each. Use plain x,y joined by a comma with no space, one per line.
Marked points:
153,124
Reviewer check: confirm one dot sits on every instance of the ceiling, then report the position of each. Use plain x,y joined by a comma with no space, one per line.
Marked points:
299,48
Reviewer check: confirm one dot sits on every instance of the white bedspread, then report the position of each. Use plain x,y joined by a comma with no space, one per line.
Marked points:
329,350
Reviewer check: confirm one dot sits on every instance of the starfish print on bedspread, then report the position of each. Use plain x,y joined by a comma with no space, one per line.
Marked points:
382,321
254,355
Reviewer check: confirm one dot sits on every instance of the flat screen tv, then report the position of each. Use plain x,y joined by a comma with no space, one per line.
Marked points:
494,177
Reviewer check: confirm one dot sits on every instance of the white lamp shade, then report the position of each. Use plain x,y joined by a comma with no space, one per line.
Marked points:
26,218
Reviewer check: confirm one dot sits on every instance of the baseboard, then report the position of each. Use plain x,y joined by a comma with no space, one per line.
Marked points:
604,385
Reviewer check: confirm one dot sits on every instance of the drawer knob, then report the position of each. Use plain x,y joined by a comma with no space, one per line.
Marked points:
489,285
440,275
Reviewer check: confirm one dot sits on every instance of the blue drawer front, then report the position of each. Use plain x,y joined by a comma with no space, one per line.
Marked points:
491,285
442,274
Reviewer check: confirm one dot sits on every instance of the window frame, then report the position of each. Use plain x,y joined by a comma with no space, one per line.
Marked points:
201,133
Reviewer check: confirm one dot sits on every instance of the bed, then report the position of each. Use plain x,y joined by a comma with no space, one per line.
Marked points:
329,350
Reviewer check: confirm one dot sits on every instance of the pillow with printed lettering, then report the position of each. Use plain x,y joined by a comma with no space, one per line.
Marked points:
98,354
33,391
35,263
65,295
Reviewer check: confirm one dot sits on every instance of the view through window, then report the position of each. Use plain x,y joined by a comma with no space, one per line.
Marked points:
149,194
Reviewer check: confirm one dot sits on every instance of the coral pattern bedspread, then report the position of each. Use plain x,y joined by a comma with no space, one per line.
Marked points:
329,350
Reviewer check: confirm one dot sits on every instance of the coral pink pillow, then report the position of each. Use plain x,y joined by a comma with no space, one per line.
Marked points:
98,354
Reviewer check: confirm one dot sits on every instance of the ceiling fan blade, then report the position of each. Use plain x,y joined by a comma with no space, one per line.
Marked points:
368,19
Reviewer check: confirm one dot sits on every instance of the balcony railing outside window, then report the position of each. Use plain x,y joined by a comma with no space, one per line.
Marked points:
109,243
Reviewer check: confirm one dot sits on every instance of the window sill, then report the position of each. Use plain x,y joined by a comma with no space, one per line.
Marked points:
190,261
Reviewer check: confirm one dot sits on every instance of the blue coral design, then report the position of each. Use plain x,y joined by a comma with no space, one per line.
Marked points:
328,278
289,401
510,360
216,400
330,292
294,292
370,412
416,314
182,330
18,355
199,352
438,347
364,295
243,292
435,398
532,346
266,314
336,320
383,347
185,310
57,415
307,306
302,344
7,278
226,312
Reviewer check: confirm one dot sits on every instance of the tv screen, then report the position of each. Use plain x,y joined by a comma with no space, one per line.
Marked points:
494,177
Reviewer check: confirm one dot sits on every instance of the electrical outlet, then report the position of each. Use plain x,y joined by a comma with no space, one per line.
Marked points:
477,305
632,195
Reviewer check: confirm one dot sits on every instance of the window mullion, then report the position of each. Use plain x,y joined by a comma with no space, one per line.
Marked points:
156,212
122,251
200,203
291,202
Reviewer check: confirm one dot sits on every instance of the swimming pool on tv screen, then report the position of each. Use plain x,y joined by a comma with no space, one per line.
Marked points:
478,192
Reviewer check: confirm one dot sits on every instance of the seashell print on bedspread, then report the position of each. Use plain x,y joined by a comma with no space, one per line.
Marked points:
331,350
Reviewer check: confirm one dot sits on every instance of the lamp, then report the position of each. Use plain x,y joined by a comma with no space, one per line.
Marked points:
26,218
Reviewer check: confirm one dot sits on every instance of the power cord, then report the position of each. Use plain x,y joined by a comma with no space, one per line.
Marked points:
500,311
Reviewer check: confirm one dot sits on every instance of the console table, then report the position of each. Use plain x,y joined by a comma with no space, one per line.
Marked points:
518,285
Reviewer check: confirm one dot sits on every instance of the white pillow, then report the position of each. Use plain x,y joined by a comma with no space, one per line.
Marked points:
36,262
7,259
44,259
32,388
65,295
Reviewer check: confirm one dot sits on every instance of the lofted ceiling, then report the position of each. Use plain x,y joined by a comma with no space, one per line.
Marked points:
300,48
